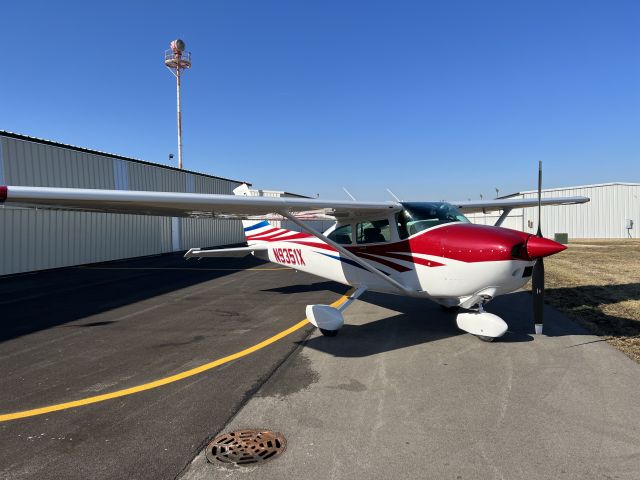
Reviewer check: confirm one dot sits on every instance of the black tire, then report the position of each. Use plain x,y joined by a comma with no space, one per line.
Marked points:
329,333
485,338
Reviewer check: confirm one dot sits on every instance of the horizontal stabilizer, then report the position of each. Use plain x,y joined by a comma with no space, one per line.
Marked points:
224,252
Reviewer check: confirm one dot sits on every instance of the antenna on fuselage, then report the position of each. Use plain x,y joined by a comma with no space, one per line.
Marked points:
347,192
393,195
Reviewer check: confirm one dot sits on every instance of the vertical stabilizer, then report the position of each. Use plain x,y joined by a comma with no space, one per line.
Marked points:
251,227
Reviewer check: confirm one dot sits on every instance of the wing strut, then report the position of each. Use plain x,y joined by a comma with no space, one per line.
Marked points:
503,217
343,251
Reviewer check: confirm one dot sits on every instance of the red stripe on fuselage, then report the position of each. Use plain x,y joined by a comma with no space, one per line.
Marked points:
323,245
283,236
460,241
407,257
261,234
396,266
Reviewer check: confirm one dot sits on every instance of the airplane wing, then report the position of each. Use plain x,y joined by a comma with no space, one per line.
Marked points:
511,203
183,204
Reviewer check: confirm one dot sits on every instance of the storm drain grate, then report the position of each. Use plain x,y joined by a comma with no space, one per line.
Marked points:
246,447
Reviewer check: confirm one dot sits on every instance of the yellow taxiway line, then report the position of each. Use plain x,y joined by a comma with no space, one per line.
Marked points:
166,380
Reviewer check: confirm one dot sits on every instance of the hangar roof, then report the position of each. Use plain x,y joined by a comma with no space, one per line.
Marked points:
106,154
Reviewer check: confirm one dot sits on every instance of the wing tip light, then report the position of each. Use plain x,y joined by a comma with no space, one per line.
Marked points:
3,193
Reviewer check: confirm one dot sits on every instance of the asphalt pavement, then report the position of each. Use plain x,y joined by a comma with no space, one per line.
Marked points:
399,393
77,333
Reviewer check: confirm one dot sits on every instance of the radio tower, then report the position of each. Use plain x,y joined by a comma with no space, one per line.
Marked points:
176,60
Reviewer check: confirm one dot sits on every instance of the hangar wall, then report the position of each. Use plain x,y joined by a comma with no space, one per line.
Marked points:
40,239
607,215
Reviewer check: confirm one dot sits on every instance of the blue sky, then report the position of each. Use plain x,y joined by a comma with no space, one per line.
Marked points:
434,100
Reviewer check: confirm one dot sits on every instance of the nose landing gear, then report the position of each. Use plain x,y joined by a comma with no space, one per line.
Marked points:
484,325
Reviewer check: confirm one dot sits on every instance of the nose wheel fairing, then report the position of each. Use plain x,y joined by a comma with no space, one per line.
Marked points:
325,317
484,325
481,324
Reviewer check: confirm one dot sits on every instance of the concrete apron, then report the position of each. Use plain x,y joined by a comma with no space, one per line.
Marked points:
401,393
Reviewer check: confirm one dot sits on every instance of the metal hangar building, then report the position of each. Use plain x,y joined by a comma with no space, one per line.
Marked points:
32,239
613,212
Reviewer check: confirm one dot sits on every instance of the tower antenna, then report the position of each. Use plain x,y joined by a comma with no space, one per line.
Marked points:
176,60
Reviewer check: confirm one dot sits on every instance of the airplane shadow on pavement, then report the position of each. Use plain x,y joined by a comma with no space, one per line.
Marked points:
419,321
415,322
314,287
52,298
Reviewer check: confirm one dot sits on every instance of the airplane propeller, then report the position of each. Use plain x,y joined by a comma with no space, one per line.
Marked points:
537,281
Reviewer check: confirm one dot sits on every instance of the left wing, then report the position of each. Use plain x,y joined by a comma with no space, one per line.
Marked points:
511,203
183,204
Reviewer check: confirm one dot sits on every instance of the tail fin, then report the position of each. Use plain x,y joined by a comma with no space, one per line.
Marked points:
254,228
251,227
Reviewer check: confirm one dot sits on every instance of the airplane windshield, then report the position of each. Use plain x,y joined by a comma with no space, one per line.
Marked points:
420,216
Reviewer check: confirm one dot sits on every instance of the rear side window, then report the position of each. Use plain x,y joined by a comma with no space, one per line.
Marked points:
376,231
342,235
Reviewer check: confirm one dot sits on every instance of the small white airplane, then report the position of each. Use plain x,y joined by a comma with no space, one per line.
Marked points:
421,249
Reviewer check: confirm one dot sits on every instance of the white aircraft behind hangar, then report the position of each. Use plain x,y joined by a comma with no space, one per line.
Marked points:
420,249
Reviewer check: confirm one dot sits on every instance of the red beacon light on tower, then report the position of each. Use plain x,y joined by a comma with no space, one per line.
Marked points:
177,46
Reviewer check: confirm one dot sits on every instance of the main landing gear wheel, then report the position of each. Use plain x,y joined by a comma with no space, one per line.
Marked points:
329,333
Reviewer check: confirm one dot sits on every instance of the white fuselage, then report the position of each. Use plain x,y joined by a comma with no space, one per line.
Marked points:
430,271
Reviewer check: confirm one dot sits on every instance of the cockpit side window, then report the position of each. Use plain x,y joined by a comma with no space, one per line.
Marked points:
342,235
376,231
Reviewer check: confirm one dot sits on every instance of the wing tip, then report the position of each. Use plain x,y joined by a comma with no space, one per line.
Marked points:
3,193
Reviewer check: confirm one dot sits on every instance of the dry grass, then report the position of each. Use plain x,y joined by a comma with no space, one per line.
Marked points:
597,284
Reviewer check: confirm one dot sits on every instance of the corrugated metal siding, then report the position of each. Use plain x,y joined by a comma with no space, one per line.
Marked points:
514,220
34,164
604,216
200,232
40,239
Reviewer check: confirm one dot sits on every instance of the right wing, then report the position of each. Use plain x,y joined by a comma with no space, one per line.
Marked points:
473,206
